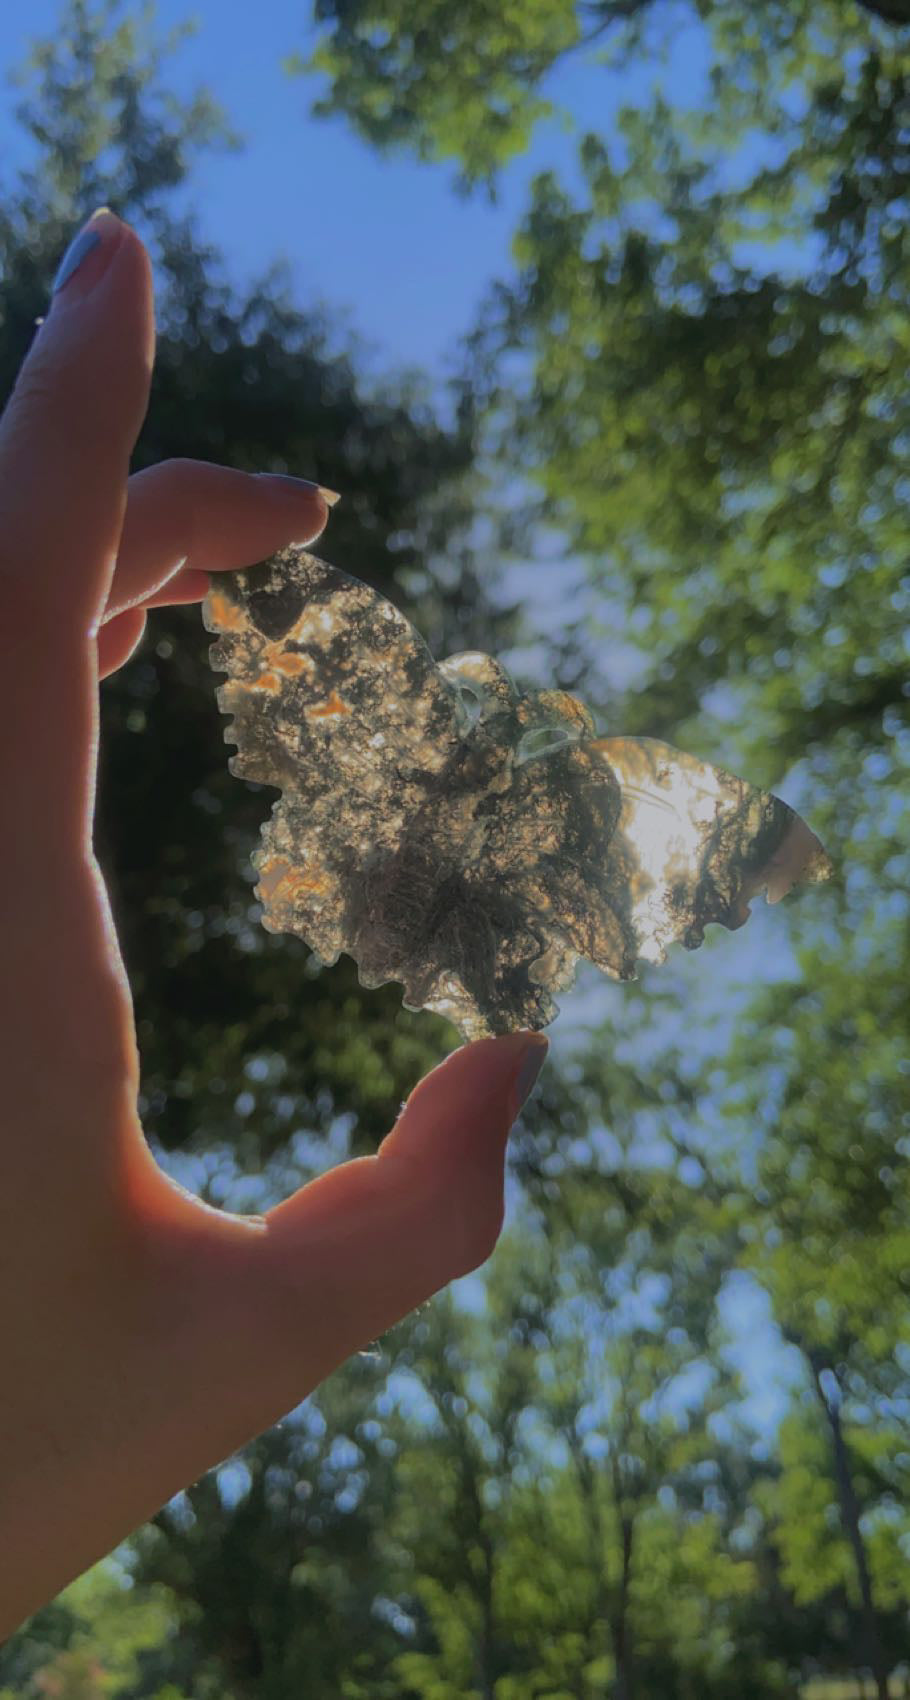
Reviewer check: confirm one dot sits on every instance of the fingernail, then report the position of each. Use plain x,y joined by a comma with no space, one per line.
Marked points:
100,233
532,1061
330,497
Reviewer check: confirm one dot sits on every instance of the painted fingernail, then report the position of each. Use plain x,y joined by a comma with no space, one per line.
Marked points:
532,1061
330,497
97,234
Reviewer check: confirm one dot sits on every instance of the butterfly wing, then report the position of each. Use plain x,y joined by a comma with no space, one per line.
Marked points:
337,701
694,844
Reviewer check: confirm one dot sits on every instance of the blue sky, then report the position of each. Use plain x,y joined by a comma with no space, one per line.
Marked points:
385,242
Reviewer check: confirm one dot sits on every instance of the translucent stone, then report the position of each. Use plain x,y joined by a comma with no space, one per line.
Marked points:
459,836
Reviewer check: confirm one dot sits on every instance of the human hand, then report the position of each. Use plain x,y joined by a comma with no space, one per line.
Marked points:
143,1335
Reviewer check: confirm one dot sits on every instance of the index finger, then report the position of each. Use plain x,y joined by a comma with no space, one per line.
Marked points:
69,428
65,442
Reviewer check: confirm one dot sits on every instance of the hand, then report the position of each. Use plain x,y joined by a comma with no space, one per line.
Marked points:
143,1335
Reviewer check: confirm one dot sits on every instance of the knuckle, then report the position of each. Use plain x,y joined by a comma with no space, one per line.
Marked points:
171,480
176,475
175,485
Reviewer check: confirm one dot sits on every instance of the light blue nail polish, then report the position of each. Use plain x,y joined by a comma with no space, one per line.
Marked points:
81,245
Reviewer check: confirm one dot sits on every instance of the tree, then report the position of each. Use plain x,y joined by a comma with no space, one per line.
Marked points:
93,1642
559,1492
828,1232
707,429
700,362
273,1563
472,83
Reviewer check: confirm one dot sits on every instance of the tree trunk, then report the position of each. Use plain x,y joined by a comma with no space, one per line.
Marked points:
622,1641
873,1655
596,1546
615,1615
489,1626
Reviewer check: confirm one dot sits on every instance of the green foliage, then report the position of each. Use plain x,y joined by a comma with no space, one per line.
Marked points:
97,108
273,1562
109,1629
700,360
471,83
723,437
391,69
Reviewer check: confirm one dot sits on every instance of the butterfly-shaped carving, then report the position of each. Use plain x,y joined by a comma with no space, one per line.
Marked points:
459,836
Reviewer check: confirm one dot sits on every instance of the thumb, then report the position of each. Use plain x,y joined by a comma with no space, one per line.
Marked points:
356,1249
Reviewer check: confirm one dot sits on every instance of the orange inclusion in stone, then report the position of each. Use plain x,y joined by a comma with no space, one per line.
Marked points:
332,705
224,613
